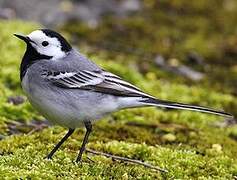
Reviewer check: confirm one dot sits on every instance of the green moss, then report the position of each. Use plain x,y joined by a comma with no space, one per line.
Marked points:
187,144
11,53
24,159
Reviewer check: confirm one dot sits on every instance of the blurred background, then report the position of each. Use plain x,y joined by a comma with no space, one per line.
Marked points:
178,50
190,40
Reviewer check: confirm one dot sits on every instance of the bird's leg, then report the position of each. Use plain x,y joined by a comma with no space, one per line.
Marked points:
69,133
88,126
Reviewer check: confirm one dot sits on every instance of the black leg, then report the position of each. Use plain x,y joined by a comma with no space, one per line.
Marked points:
85,140
69,133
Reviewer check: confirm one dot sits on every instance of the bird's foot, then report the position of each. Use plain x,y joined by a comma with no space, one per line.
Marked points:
48,157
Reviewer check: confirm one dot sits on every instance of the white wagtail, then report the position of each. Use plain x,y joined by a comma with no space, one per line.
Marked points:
71,91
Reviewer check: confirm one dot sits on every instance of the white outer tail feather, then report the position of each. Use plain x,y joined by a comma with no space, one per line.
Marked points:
174,105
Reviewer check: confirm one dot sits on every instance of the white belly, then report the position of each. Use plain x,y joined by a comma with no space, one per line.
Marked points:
69,108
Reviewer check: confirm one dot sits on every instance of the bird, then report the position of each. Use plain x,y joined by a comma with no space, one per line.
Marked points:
72,91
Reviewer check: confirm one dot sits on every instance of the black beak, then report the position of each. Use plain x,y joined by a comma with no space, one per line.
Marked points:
23,37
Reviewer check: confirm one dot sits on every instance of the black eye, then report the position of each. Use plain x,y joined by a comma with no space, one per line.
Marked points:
45,43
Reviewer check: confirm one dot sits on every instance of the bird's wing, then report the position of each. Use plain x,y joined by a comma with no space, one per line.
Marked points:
108,83
99,81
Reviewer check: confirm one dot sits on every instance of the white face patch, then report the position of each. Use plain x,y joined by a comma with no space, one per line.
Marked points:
52,49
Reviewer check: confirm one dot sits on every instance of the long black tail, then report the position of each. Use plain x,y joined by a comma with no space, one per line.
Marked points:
168,104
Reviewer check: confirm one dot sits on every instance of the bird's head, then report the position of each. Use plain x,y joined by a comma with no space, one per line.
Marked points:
46,43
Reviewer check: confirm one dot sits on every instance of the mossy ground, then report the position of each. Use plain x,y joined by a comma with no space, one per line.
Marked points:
188,144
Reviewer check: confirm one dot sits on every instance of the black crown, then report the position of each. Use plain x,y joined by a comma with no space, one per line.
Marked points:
65,45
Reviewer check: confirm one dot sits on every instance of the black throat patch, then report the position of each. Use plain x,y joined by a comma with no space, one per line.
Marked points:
30,57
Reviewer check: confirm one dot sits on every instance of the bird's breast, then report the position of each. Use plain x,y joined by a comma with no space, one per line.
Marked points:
67,107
